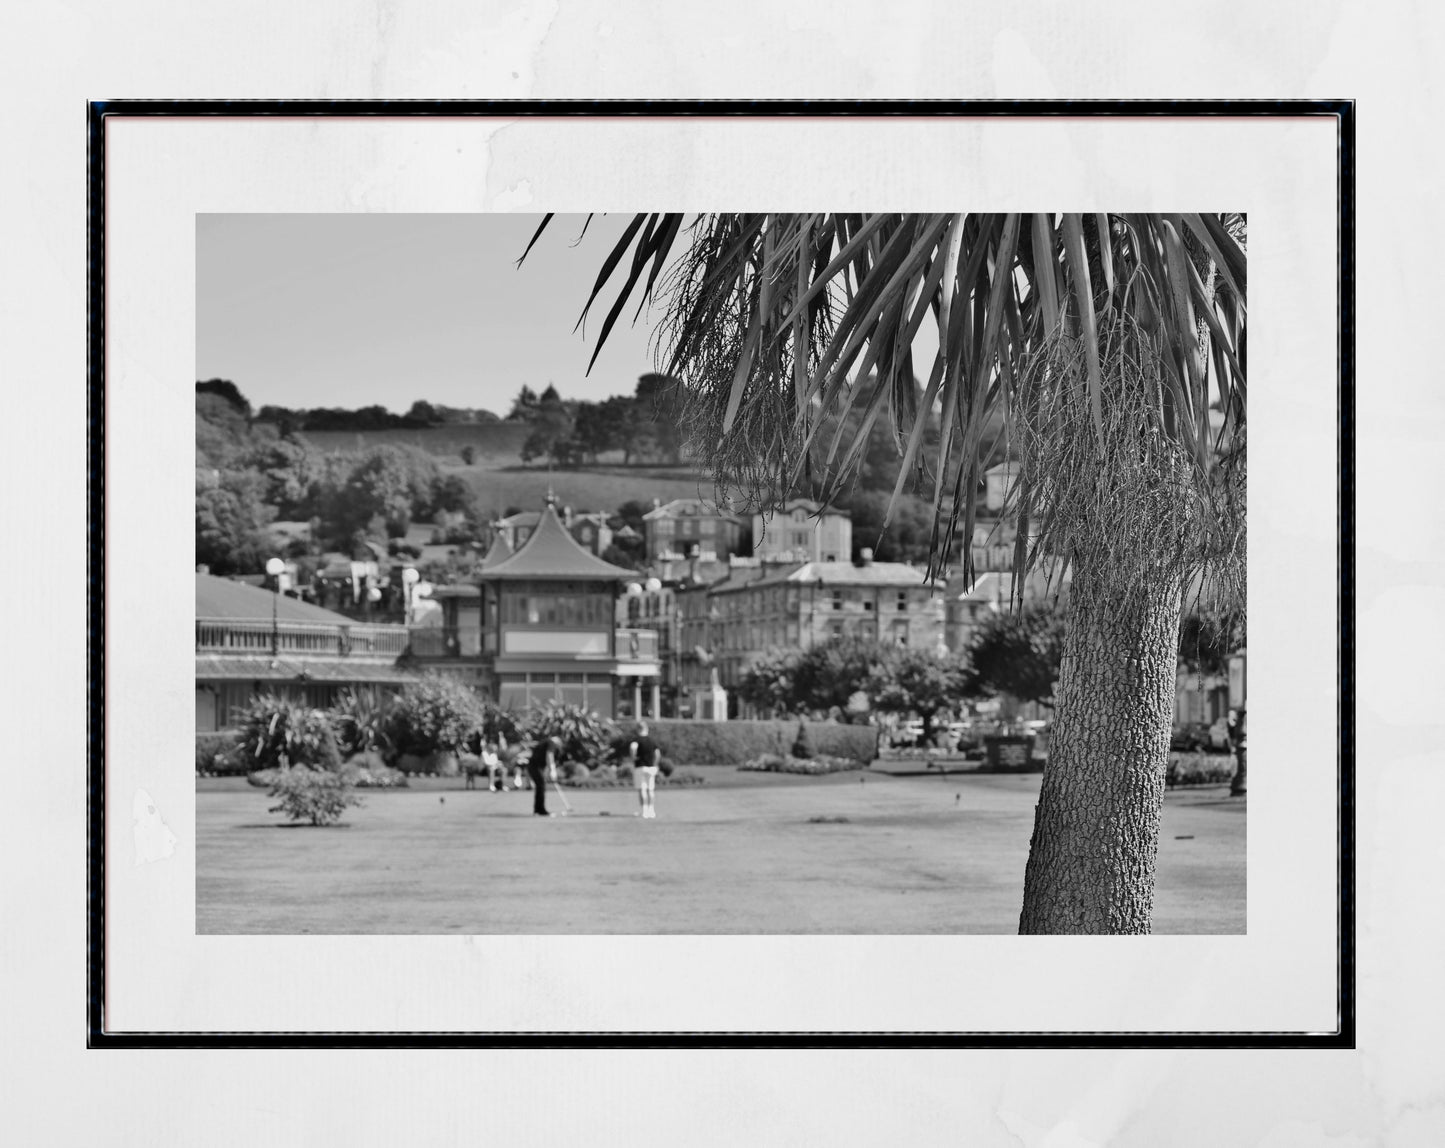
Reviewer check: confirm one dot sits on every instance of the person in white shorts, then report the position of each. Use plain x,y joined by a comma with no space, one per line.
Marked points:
646,757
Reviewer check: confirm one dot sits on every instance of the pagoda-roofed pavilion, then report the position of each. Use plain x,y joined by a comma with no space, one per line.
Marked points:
548,627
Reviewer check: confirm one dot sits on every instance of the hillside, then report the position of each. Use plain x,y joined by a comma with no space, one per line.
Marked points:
598,488
496,444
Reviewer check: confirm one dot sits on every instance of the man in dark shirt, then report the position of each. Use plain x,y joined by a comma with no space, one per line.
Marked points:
541,766
645,756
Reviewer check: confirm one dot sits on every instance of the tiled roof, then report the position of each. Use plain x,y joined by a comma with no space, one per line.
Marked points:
260,669
497,553
898,574
551,552
806,504
696,507
522,518
222,598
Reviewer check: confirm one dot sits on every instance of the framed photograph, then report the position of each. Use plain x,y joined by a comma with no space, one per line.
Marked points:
465,377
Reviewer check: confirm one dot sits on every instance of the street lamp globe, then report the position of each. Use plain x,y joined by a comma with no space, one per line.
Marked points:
275,567
410,576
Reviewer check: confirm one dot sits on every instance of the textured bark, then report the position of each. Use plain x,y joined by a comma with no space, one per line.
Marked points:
1096,826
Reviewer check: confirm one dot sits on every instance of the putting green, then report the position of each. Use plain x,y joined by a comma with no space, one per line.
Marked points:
744,853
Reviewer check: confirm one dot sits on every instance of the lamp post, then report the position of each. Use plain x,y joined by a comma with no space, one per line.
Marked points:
275,567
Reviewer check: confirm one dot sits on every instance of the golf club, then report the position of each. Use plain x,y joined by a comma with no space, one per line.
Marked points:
567,805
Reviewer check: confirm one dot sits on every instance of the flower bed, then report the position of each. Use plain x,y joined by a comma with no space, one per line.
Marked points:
810,766
1199,769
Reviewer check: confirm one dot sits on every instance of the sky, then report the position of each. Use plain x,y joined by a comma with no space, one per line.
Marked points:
352,310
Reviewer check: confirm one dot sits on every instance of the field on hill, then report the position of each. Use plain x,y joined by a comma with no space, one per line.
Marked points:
598,488
496,444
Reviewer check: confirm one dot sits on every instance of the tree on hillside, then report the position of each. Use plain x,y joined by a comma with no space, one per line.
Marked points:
550,436
231,521
228,391
621,422
1018,654
924,682
222,433
423,412
524,406
592,433
1100,340
390,483
656,412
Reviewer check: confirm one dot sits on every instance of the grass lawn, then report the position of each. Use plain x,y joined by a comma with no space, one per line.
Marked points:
745,853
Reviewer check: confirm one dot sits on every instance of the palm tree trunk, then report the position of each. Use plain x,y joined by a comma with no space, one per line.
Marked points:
1096,826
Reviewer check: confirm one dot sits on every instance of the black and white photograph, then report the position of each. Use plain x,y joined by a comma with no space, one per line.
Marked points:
721,573
806,602
626,601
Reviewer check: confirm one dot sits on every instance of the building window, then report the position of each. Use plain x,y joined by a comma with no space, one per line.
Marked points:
900,633
903,599
837,599
867,606
837,629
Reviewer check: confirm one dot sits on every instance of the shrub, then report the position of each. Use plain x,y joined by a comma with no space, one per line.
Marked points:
320,796
803,744
734,742
499,725
278,732
373,775
585,737
1199,769
435,714
219,753
360,723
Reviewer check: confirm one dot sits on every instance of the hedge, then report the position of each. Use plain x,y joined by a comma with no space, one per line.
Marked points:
735,742
216,753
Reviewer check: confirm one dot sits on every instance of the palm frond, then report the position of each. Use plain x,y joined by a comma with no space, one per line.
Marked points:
782,326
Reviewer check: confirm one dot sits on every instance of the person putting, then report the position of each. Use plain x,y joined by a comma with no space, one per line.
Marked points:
646,757
541,766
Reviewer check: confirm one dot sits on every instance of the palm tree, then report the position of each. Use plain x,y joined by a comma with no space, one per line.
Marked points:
1112,349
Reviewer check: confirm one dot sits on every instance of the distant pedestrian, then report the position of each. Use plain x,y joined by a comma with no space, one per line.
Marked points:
646,757
1236,727
492,761
542,767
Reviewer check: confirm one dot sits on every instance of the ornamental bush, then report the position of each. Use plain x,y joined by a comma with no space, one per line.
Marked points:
360,721
276,732
435,714
319,796
219,753
586,738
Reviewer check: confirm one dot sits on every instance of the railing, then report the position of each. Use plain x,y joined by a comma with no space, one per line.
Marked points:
446,641
636,645
228,636
632,645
